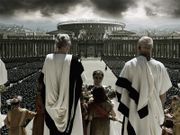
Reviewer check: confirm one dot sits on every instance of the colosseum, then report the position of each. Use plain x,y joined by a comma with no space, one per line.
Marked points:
91,29
91,34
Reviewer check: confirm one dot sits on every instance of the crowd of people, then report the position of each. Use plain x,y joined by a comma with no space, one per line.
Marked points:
25,86
19,72
63,104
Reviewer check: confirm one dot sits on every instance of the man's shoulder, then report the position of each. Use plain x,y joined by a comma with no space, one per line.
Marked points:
76,65
49,57
156,62
1,62
76,59
131,62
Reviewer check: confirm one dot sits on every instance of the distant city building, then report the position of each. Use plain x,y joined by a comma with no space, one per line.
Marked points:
20,32
175,34
90,38
92,29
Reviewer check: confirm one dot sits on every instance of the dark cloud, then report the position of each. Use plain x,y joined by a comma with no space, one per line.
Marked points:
177,8
110,7
113,6
152,7
47,7
168,7
150,12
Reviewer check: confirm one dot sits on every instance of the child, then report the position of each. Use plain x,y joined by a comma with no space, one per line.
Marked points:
100,111
17,117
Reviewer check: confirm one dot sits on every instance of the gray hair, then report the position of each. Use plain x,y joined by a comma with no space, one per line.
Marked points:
145,41
62,40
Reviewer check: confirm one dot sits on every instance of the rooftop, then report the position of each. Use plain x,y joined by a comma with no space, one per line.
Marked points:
92,22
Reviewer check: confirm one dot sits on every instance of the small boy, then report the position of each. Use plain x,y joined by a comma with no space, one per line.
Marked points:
17,118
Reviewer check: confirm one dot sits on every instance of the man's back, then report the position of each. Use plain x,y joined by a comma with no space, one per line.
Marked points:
136,69
140,88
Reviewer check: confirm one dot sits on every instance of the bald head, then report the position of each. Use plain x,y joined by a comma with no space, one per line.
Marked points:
145,41
145,46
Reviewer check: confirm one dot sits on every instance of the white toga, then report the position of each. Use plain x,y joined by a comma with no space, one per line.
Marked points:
150,80
56,71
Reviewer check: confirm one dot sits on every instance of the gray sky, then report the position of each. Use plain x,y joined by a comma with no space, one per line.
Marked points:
45,14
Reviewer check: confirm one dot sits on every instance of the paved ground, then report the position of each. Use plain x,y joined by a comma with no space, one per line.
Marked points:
92,64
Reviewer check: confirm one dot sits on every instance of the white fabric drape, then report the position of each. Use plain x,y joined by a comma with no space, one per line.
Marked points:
115,126
56,71
56,78
150,79
3,73
77,125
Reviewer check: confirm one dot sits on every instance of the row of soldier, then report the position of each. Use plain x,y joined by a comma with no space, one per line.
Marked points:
140,89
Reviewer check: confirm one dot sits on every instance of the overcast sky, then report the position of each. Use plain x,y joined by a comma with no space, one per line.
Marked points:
46,14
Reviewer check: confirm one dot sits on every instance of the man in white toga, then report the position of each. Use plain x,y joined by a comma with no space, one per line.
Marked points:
62,77
141,90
